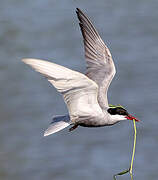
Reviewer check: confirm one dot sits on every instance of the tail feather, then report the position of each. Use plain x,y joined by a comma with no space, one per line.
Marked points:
58,123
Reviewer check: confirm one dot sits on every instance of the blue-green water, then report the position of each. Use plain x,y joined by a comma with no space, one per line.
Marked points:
49,30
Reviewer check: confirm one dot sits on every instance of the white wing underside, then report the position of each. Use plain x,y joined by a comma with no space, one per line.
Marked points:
79,92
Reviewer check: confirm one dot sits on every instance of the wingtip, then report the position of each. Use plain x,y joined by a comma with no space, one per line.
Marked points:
26,60
77,9
29,61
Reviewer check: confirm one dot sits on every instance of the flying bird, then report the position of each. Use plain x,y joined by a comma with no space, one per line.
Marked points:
84,94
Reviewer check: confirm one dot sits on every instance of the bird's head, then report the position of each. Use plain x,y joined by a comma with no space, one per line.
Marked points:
118,113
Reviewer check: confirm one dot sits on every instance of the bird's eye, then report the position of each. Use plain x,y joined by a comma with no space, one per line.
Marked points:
123,112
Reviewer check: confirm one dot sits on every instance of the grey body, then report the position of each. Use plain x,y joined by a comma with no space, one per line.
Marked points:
85,95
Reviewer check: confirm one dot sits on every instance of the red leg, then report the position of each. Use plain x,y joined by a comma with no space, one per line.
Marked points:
73,127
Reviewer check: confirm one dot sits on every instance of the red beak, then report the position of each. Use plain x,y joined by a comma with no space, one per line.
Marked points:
130,117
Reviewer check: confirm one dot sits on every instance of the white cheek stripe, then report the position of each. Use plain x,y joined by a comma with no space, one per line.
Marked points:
118,117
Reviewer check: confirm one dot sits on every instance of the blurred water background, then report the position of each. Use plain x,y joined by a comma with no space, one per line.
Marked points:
48,29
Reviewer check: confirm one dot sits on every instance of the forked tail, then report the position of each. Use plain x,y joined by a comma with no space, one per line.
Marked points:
58,123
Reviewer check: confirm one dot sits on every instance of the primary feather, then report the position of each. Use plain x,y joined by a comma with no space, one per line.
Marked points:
100,66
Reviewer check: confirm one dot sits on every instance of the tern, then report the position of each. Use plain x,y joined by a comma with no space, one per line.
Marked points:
84,94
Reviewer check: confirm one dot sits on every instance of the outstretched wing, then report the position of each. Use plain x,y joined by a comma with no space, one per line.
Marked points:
100,66
79,92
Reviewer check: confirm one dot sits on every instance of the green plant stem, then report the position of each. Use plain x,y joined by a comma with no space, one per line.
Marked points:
133,153
134,147
120,173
